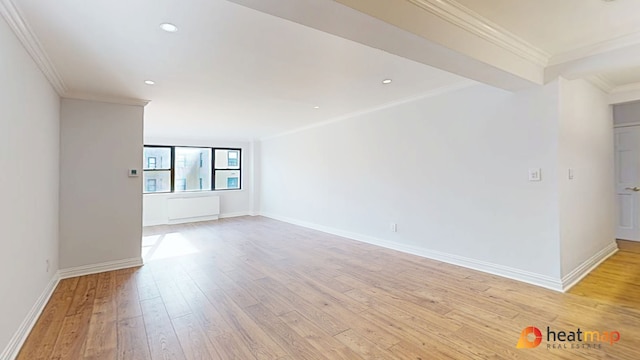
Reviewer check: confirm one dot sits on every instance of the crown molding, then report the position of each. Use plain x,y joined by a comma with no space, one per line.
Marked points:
105,99
625,93
626,88
602,82
596,49
26,36
469,20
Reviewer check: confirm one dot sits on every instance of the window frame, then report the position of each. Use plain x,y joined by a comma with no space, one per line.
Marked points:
172,169
213,168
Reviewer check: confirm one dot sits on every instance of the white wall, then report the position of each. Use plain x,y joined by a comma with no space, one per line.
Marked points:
100,206
587,203
232,202
450,170
161,209
29,159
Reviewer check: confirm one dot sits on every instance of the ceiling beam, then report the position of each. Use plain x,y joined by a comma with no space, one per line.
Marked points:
414,30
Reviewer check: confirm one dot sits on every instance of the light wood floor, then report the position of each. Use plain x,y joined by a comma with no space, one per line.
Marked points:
254,288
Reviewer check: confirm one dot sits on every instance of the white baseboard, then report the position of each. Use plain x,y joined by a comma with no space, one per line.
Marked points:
190,220
574,277
98,268
491,268
234,214
20,336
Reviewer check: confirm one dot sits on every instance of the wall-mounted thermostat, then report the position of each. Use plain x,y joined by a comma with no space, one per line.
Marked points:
133,173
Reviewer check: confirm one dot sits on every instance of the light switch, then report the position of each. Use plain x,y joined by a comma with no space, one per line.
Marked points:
570,174
535,174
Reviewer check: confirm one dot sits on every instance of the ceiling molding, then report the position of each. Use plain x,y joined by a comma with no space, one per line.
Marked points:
602,82
625,93
469,20
106,99
597,48
23,32
626,88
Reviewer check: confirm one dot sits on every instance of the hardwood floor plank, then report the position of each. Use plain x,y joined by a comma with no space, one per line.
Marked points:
232,348
361,345
323,342
283,335
132,339
161,337
73,336
262,289
43,337
173,299
102,336
193,340
128,304
325,321
212,322
261,345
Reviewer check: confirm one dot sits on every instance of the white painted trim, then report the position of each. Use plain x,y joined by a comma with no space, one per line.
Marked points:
439,91
484,266
188,220
626,125
625,93
626,88
105,99
596,49
20,336
601,82
34,48
234,214
469,20
98,268
574,277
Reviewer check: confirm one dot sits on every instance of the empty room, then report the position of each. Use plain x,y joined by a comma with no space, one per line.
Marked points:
320,179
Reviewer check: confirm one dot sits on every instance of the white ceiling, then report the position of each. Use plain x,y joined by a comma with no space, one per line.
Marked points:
229,72
558,26
562,27
232,72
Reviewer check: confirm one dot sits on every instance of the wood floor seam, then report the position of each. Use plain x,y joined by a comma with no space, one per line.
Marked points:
255,288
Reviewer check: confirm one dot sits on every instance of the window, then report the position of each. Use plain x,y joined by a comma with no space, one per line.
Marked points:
151,185
189,168
183,168
181,184
232,159
157,169
181,161
227,169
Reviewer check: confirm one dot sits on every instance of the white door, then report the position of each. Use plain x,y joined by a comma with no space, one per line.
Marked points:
627,148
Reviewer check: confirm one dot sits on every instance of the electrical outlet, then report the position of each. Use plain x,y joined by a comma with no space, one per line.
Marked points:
535,174
393,227
47,265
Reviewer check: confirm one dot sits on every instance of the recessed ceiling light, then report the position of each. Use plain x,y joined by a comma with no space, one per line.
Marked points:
149,82
387,81
316,107
168,27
